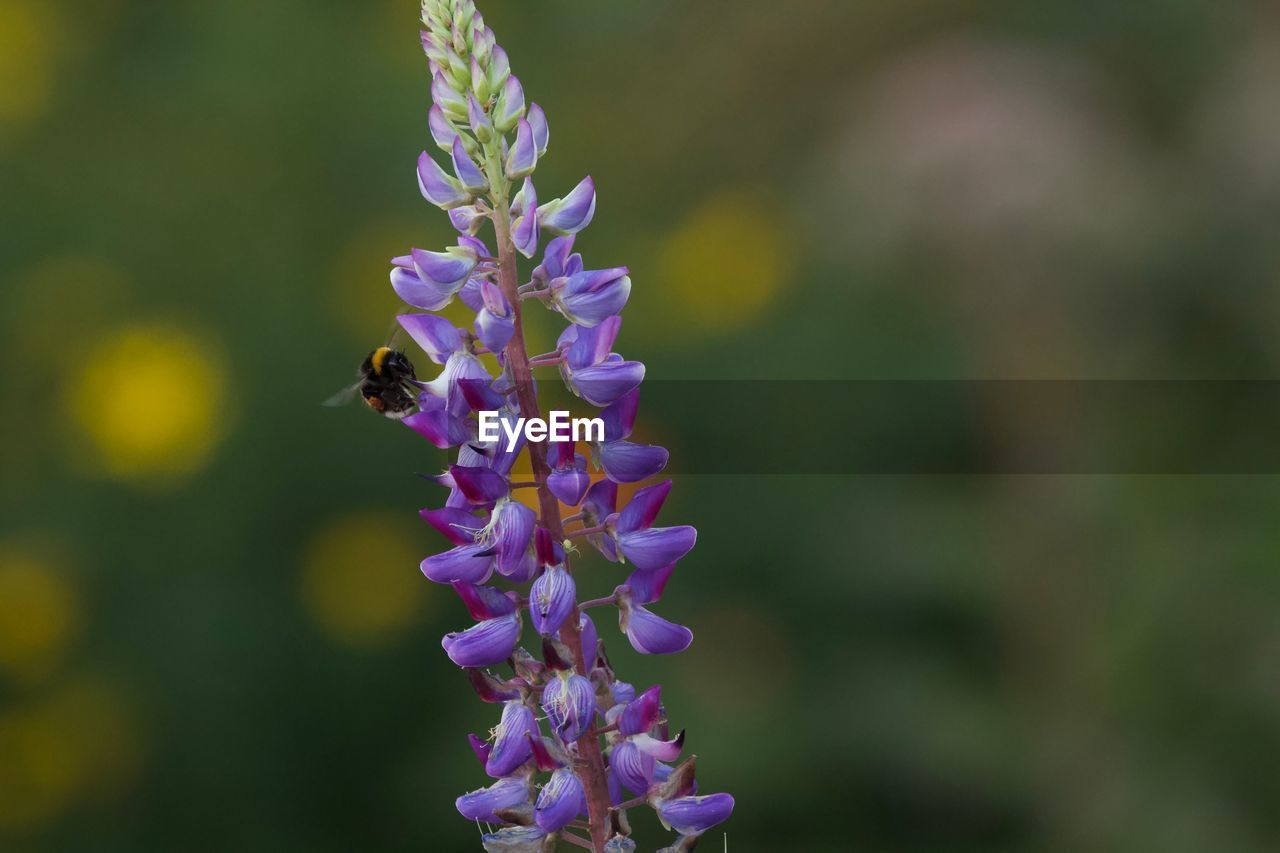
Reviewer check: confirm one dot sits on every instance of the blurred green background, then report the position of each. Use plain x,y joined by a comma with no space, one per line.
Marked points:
213,631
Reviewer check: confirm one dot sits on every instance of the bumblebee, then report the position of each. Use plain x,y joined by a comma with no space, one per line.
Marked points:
387,384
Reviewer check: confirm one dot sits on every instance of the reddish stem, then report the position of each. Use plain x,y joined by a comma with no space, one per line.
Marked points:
590,760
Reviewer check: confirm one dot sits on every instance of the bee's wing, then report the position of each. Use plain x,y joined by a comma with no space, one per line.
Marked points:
345,396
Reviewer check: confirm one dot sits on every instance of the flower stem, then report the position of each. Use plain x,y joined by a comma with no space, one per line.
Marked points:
590,760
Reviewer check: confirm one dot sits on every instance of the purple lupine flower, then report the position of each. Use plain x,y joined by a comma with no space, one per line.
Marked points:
505,794
511,744
504,557
570,703
485,643
560,801
551,599
570,214
695,815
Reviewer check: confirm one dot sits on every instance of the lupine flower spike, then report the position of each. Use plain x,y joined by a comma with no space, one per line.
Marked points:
573,747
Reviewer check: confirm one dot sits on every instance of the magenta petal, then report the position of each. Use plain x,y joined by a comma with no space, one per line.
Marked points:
479,745
466,563
642,713
511,746
483,805
656,547
625,462
484,644
437,336
652,635
479,485
459,526
551,598
484,602
559,801
438,427
643,508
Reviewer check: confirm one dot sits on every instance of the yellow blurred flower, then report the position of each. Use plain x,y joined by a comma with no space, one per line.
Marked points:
724,265
28,41
152,401
360,579
39,614
80,741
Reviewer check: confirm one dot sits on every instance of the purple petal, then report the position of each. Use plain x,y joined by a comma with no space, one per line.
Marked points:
484,602
523,157
600,503
569,485
606,383
484,644
494,331
442,130
551,598
625,462
572,213
695,815
620,416
622,692
511,745
570,703
510,105
446,98
438,186
448,269
541,132
466,563
554,260
467,219
501,795
655,547
427,295
652,635
478,119
559,801
643,507
633,767
524,232
466,169
591,346
437,336
590,639
646,586
513,529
